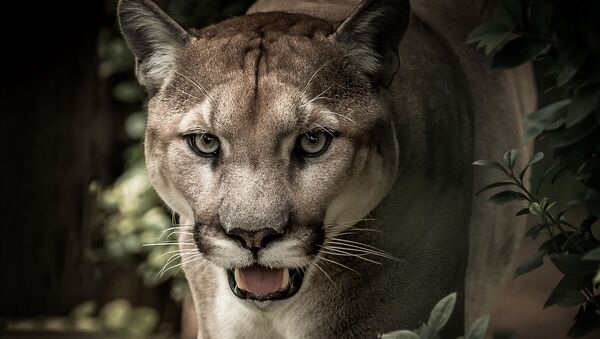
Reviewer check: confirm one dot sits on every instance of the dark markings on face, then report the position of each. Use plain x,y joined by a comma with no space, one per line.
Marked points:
198,230
261,54
318,238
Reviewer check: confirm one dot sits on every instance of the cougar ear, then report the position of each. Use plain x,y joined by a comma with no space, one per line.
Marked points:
153,37
376,28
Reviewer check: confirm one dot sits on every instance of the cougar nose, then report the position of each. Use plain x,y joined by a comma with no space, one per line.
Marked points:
254,240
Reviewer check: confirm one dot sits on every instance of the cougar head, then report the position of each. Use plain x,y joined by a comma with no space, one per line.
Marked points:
268,133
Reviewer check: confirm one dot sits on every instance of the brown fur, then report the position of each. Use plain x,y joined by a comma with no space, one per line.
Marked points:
402,157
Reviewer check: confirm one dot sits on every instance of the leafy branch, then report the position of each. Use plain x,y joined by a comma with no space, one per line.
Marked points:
574,250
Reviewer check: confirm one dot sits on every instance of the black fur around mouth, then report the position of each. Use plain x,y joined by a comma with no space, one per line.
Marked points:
296,278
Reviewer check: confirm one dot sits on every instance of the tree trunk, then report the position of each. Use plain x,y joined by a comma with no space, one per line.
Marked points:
57,137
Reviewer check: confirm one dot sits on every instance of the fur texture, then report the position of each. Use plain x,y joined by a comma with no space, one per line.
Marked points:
411,107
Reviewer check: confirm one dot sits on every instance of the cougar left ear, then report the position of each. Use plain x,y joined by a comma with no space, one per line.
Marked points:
376,28
154,38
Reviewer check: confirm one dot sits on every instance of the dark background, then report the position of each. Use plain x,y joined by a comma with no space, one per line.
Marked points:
61,129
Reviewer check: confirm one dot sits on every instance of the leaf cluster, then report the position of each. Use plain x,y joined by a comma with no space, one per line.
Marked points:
573,249
438,318
566,36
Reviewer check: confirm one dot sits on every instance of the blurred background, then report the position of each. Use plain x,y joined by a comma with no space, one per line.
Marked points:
77,206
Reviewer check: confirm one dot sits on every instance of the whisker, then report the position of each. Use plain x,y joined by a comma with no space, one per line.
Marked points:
356,244
185,251
167,244
340,252
312,77
354,221
184,92
355,248
319,96
343,117
336,263
322,270
195,257
198,86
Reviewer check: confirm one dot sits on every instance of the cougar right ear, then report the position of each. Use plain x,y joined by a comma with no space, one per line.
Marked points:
153,37
375,29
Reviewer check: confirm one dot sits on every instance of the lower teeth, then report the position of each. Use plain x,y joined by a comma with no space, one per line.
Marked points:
285,282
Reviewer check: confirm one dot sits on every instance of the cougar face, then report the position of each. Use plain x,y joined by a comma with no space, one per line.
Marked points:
267,134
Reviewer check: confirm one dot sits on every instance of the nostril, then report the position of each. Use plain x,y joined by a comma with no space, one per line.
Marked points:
254,241
268,238
239,239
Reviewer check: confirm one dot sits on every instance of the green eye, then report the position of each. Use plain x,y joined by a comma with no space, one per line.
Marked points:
204,144
313,144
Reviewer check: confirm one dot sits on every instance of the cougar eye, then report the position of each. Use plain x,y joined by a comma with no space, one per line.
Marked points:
313,144
204,144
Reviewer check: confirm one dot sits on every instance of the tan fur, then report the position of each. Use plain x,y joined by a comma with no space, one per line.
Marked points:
403,158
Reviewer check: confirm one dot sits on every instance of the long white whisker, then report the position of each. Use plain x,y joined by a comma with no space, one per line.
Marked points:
184,92
336,263
312,77
355,248
200,87
340,252
168,244
322,270
355,243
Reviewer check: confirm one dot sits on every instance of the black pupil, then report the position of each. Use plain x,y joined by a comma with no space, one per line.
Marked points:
208,139
313,139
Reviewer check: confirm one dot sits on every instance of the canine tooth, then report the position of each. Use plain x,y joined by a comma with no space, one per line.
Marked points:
238,281
286,279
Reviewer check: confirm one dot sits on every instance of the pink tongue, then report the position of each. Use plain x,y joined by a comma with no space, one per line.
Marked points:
261,280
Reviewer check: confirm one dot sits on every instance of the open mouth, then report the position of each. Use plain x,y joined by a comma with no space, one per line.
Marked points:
263,283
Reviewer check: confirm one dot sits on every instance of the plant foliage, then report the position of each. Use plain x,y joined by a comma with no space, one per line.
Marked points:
564,36
572,248
437,320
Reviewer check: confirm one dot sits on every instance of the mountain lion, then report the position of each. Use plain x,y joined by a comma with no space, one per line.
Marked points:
318,155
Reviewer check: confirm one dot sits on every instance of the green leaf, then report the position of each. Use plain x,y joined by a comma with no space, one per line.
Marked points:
504,197
538,121
485,30
535,230
425,332
536,158
584,102
573,264
510,158
489,35
533,262
523,211
492,41
508,13
593,254
548,113
566,293
441,312
569,66
518,51
574,134
478,328
494,185
402,334
490,163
